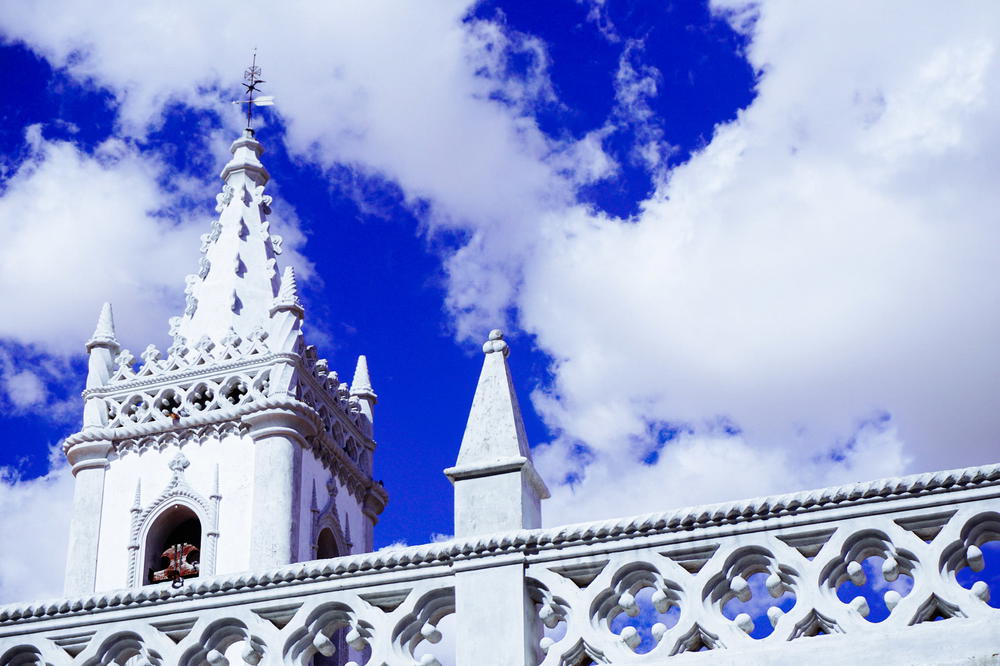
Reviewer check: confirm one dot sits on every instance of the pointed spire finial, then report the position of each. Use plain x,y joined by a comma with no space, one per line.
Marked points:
495,444
289,285
495,428
104,334
361,385
288,293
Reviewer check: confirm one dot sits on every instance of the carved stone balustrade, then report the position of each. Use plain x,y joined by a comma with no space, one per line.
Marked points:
895,571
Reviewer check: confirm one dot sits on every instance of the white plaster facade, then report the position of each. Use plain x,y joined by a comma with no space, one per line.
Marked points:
291,455
240,424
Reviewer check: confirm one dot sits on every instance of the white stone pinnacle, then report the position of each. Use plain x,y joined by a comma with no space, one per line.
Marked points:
104,333
496,484
361,385
289,291
495,429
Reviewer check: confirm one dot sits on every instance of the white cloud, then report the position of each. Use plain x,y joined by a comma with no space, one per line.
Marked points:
821,275
35,520
24,388
405,90
827,258
82,229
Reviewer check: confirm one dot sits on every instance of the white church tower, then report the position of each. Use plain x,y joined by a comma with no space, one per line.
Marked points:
238,448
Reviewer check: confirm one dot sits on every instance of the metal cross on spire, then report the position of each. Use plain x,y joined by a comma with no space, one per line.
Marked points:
252,77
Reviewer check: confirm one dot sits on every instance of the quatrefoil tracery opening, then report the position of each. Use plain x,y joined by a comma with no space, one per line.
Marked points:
764,603
973,561
639,607
871,575
235,390
753,590
201,396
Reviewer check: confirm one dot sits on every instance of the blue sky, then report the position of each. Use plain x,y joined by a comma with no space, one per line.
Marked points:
738,248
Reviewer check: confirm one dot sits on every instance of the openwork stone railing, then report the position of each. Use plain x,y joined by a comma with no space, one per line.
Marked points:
854,574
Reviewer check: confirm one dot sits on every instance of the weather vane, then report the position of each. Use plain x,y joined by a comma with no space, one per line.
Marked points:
252,76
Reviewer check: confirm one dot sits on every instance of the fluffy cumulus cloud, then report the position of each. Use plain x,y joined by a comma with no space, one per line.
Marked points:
809,299
408,91
81,229
35,519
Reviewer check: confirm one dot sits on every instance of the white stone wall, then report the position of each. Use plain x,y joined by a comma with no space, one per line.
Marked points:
553,597
349,512
236,473
233,455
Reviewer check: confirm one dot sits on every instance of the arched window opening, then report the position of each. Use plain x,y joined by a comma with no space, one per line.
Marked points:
173,547
326,546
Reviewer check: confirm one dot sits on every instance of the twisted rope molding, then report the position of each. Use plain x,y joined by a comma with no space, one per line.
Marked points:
446,552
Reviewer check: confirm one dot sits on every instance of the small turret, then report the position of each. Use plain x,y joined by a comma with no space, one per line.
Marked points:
361,389
102,348
496,485
286,313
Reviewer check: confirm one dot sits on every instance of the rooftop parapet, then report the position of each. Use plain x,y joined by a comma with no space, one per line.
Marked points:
785,558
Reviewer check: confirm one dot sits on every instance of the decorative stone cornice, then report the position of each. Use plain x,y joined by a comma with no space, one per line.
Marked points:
192,421
500,466
445,553
90,455
193,427
186,372
180,437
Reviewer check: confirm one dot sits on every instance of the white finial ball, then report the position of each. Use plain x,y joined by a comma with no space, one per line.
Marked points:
495,343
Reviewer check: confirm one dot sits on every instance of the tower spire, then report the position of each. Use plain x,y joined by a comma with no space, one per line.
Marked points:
237,277
362,392
361,385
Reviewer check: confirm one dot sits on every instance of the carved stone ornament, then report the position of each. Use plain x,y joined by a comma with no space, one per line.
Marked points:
223,198
178,491
328,518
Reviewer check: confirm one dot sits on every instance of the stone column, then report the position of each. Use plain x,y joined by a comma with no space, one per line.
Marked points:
374,505
496,625
90,464
278,436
